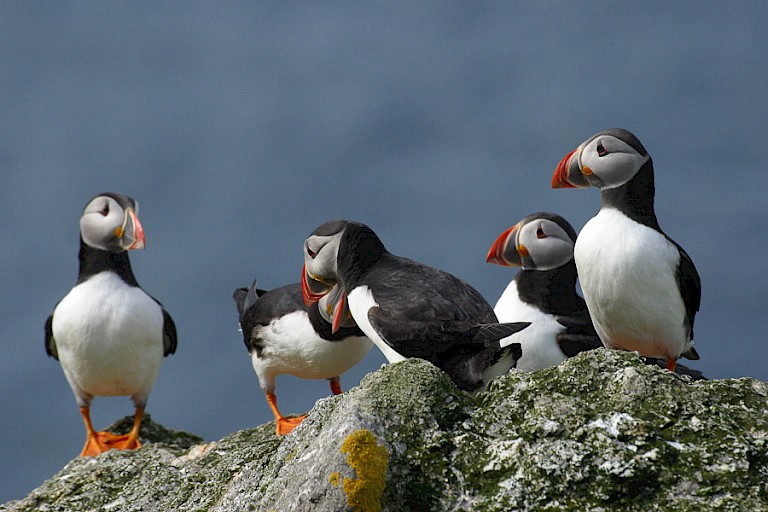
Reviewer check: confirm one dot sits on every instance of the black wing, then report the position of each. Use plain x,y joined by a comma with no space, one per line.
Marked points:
247,297
689,282
50,343
169,331
169,334
579,335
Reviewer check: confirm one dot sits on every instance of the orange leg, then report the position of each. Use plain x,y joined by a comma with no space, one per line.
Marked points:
335,385
100,442
283,425
671,364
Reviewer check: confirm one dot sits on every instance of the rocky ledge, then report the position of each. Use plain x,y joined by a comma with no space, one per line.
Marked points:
602,431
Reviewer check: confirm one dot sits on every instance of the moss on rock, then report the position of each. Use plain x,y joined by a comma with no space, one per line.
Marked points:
602,431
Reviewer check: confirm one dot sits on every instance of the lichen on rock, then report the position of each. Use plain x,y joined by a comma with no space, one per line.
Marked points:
602,431
369,460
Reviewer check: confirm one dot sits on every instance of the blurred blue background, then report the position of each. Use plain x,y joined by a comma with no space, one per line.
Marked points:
241,126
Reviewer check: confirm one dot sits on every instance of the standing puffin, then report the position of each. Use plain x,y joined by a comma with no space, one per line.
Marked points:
285,336
641,287
544,291
406,308
108,334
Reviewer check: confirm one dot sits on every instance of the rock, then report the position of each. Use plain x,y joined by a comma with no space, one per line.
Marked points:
602,431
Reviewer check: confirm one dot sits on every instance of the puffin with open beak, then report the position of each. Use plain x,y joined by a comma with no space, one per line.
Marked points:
408,309
284,336
108,334
641,287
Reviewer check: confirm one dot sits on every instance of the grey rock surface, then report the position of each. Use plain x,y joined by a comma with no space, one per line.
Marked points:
602,431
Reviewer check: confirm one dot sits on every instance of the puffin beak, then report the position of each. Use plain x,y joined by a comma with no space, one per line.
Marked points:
569,173
499,254
312,289
340,311
131,234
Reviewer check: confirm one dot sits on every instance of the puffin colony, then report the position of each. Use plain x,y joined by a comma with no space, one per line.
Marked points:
641,293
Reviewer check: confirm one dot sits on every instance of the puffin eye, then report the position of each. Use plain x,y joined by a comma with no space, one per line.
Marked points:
105,210
601,151
311,253
540,233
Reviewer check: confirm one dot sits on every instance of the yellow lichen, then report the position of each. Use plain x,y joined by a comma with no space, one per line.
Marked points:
335,479
369,460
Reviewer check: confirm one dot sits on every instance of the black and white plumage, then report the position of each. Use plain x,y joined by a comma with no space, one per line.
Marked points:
108,334
641,287
284,336
406,308
543,292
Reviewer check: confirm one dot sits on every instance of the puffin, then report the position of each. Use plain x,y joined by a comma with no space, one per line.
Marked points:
284,336
544,293
641,287
407,309
109,335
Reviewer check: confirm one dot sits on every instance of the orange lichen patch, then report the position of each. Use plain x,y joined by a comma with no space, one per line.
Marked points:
369,460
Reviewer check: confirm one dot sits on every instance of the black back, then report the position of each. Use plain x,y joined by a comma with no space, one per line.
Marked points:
422,311
258,307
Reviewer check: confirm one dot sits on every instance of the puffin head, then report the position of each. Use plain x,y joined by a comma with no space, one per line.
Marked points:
541,241
110,223
606,160
321,249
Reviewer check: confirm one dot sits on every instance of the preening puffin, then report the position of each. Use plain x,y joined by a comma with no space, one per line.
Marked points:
284,336
108,334
406,308
641,287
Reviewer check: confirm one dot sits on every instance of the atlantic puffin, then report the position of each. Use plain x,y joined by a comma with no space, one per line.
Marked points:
543,292
284,336
641,287
406,308
108,334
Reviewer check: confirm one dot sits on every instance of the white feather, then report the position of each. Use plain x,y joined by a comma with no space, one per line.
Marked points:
109,338
360,300
292,347
537,341
627,273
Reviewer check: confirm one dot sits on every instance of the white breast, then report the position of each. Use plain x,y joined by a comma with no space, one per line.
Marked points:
109,338
628,275
538,340
291,346
360,301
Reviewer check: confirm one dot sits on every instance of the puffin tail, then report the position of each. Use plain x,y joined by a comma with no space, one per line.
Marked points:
490,335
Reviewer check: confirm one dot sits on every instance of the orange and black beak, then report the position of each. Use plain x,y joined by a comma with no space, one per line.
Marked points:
131,234
312,288
504,250
569,172
339,309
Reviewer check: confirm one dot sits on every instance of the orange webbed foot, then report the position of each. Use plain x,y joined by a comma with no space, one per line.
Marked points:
286,425
105,441
100,442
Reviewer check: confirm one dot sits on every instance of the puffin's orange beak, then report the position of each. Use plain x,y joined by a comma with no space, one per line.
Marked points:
499,252
312,290
568,173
